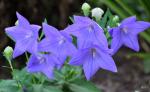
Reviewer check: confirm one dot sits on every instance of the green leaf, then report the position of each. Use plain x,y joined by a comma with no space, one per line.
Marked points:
103,21
147,65
42,88
9,86
68,73
74,41
41,78
140,55
113,6
126,7
51,89
23,76
37,88
146,36
71,19
144,5
42,33
83,86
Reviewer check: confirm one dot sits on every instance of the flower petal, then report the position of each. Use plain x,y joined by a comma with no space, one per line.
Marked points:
34,64
95,36
66,35
131,42
78,57
43,45
23,22
50,31
81,19
49,65
90,67
48,71
74,29
17,33
100,36
33,46
68,49
105,61
35,29
21,47
128,20
137,27
116,42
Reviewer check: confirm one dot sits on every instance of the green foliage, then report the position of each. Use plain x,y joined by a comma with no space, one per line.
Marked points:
146,65
83,86
9,86
68,74
140,8
68,78
108,21
44,88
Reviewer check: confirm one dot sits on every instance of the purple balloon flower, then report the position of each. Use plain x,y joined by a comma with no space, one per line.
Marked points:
44,63
127,34
87,32
25,36
92,59
57,42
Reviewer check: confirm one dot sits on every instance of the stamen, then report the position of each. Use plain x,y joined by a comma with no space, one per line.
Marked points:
93,52
29,34
124,29
90,28
62,40
41,59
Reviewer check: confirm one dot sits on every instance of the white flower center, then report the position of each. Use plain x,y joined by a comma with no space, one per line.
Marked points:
62,40
29,34
90,29
41,59
93,52
124,29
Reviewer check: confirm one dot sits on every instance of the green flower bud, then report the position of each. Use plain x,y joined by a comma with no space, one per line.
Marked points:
16,23
97,13
8,51
115,19
86,9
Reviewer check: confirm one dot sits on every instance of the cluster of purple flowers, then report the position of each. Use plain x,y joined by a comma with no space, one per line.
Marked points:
92,51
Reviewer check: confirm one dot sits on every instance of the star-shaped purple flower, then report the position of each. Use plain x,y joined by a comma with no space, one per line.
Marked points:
87,32
92,59
44,63
57,42
127,33
25,36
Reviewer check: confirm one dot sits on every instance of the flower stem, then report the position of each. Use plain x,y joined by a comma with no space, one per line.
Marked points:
27,57
10,64
18,83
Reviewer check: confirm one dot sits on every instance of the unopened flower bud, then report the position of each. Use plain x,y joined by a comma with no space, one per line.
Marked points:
8,51
86,9
16,23
115,19
97,13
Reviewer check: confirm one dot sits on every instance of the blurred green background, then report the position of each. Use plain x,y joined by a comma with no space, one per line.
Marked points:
133,68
